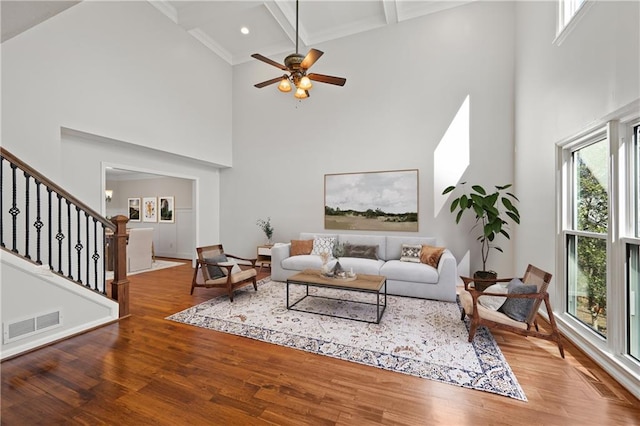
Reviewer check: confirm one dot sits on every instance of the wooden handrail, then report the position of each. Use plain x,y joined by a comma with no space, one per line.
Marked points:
57,188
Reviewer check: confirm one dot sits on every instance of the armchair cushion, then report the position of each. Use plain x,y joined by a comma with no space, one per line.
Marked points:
494,302
518,308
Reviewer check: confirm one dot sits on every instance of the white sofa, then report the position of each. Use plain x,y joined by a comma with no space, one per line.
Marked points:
403,278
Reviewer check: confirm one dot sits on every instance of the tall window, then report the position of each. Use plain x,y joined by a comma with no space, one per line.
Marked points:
633,250
567,10
587,234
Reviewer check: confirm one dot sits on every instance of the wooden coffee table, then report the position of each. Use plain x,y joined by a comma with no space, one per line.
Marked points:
374,284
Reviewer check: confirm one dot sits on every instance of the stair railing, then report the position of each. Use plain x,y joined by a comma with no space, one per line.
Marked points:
46,225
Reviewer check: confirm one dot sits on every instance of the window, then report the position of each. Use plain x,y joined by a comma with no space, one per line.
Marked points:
586,238
569,12
599,239
633,249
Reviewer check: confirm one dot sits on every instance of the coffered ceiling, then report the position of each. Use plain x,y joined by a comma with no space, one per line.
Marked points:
271,23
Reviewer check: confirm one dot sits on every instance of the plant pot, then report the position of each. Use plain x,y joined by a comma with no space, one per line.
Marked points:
484,275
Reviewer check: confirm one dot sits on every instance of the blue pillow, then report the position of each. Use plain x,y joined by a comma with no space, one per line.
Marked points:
214,271
518,308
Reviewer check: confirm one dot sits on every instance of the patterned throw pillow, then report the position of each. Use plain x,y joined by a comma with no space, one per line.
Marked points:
299,247
431,255
410,253
323,245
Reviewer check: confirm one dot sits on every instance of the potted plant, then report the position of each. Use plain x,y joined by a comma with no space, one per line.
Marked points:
491,211
266,227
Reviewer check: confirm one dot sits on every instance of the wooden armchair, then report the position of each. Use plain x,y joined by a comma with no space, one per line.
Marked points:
213,269
481,315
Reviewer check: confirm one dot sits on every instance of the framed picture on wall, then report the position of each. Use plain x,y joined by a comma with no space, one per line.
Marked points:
149,209
134,209
166,209
375,201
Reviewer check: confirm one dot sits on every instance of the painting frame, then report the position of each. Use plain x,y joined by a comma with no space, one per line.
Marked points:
133,207
149,209
167,209
372,201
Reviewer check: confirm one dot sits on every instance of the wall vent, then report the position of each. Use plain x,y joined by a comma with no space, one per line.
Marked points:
28,326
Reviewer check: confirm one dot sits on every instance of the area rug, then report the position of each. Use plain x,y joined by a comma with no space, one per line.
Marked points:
156,265
423,338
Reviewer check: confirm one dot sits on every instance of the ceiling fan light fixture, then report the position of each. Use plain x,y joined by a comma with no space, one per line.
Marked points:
305,83
300,93
285,85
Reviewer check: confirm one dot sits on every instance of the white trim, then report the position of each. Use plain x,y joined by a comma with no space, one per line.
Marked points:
563,30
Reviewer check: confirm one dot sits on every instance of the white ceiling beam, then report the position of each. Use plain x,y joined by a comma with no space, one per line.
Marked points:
199,13
286,18
166,8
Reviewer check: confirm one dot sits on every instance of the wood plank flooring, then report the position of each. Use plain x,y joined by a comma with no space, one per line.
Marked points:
146,370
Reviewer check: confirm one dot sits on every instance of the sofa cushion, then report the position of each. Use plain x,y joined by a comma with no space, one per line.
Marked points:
299,247
410,253
360,250
323,245
394,245
302,262
431,255
408,271
361,266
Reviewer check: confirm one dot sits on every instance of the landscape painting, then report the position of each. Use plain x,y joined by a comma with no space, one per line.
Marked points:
373,201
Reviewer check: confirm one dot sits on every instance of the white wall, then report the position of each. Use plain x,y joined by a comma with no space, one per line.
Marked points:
560,90
405,84
121,70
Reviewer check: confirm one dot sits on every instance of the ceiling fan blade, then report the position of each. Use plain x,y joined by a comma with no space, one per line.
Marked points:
268,82
268,61
338,81
311,58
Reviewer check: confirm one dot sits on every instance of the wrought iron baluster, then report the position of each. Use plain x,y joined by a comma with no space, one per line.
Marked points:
50,244
70,275
14,210
27,179
88,240
38,223
104,260
95,256
59,235
78,246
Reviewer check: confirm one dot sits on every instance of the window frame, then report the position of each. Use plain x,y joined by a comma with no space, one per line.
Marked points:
564,27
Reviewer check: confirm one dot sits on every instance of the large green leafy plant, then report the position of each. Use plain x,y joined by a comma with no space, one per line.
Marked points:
491,211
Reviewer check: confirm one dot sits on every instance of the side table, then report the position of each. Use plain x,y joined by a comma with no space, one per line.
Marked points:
264,256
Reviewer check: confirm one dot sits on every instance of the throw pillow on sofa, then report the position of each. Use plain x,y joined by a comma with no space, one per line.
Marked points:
431,255
323,245
300,247
360,250
410,253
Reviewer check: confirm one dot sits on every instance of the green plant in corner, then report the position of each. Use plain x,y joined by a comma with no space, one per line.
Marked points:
266,227
491,211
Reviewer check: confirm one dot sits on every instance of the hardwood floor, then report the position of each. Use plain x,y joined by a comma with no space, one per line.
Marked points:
146,370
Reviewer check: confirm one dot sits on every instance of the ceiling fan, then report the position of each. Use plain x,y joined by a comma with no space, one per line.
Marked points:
297,65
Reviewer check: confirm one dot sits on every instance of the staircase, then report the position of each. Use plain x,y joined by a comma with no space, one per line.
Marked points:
54,259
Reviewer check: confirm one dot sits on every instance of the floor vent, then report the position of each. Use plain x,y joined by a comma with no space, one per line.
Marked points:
25,327
599,386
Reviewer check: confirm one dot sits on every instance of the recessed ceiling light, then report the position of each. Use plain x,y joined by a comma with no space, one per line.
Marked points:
244,30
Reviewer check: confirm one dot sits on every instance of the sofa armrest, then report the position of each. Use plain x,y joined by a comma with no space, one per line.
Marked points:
448,271
279,252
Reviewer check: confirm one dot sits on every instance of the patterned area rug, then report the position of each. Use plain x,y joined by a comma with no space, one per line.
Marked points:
423,338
